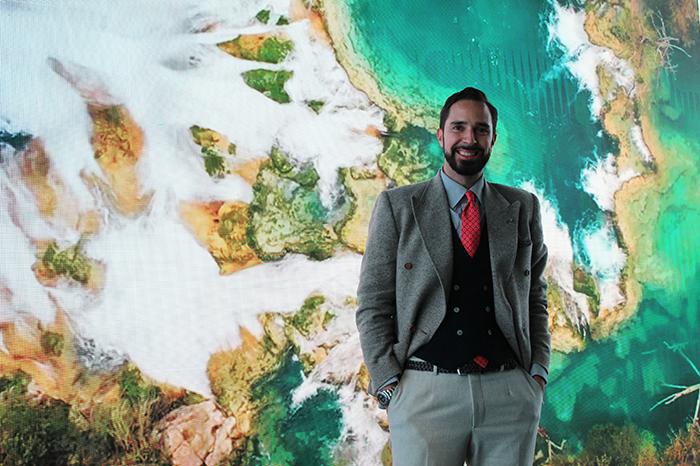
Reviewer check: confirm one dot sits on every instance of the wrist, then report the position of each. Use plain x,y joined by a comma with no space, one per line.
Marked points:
385,394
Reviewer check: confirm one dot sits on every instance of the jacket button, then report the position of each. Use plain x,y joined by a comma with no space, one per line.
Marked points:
408,266
527,272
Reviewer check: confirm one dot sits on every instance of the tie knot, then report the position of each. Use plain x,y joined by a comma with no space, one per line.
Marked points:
470,196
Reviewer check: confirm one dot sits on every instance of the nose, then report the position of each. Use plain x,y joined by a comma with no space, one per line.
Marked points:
468,136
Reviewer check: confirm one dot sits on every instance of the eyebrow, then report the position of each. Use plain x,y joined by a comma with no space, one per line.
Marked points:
479,124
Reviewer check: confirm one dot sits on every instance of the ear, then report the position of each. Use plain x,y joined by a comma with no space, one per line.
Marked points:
493,140
439,135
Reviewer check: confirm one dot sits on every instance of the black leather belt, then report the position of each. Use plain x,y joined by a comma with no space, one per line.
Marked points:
469,368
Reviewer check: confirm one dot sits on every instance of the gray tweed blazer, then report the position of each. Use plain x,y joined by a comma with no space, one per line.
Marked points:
406,274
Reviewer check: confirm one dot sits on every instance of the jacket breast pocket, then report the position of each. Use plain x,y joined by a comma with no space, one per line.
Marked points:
523,254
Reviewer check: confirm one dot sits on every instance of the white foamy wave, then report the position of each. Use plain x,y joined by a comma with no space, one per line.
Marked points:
601,180
560,257
583,58
20,292
606,260
165,305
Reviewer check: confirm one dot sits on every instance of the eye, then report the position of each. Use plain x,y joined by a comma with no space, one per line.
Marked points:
484,130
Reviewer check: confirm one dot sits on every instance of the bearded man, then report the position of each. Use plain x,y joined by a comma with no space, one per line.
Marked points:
452,305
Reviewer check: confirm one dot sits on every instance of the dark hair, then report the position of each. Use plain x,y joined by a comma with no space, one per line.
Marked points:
468,93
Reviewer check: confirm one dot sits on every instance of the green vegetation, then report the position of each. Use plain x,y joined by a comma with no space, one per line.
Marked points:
114,115
263,48
134,389
282,20
274,50
309,317
612,445
585,283
280,161
52,343
211,142
270,83
204,137
192,398
263,16
69,262
37,430
230,228
616,445
315,105
16,383
410,155
286,212
288,435
214,163
18,141
34,432
305,175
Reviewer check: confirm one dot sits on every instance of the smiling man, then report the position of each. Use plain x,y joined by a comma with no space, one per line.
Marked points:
452,307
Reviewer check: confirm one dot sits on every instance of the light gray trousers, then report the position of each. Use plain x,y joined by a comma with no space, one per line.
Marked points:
449,419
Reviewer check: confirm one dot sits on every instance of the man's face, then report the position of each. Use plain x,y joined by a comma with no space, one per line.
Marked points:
467,138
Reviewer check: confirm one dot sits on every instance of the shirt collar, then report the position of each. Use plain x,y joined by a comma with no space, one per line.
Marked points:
455,191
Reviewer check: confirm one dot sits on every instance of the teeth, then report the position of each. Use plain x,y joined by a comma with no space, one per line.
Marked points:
468,153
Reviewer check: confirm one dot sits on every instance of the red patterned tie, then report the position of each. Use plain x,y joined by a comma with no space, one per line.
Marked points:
471,225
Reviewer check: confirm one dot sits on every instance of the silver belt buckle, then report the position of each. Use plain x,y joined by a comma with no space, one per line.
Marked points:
459,371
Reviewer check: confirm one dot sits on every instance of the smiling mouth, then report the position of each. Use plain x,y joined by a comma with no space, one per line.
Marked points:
468,153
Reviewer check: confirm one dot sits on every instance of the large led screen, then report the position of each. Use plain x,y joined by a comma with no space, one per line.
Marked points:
185,191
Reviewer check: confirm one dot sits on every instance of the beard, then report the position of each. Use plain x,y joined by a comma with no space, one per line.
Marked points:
467,167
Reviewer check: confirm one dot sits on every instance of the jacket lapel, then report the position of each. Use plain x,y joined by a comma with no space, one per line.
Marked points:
431,211
501,222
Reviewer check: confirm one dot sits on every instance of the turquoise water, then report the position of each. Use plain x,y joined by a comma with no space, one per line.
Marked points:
422,54
289,435
545,130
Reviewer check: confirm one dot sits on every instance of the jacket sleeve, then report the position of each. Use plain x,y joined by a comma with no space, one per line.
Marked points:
376,295
539,318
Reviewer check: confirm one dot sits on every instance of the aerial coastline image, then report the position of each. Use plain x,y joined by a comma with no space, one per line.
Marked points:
185,191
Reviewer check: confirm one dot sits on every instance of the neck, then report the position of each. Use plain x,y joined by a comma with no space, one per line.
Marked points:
465,180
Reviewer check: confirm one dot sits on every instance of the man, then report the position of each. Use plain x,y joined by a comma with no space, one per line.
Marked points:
452,306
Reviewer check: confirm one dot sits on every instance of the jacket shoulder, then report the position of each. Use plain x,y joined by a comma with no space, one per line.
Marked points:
513,194
406,192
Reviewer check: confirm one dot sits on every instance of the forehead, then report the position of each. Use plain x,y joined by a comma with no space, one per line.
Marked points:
470,111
